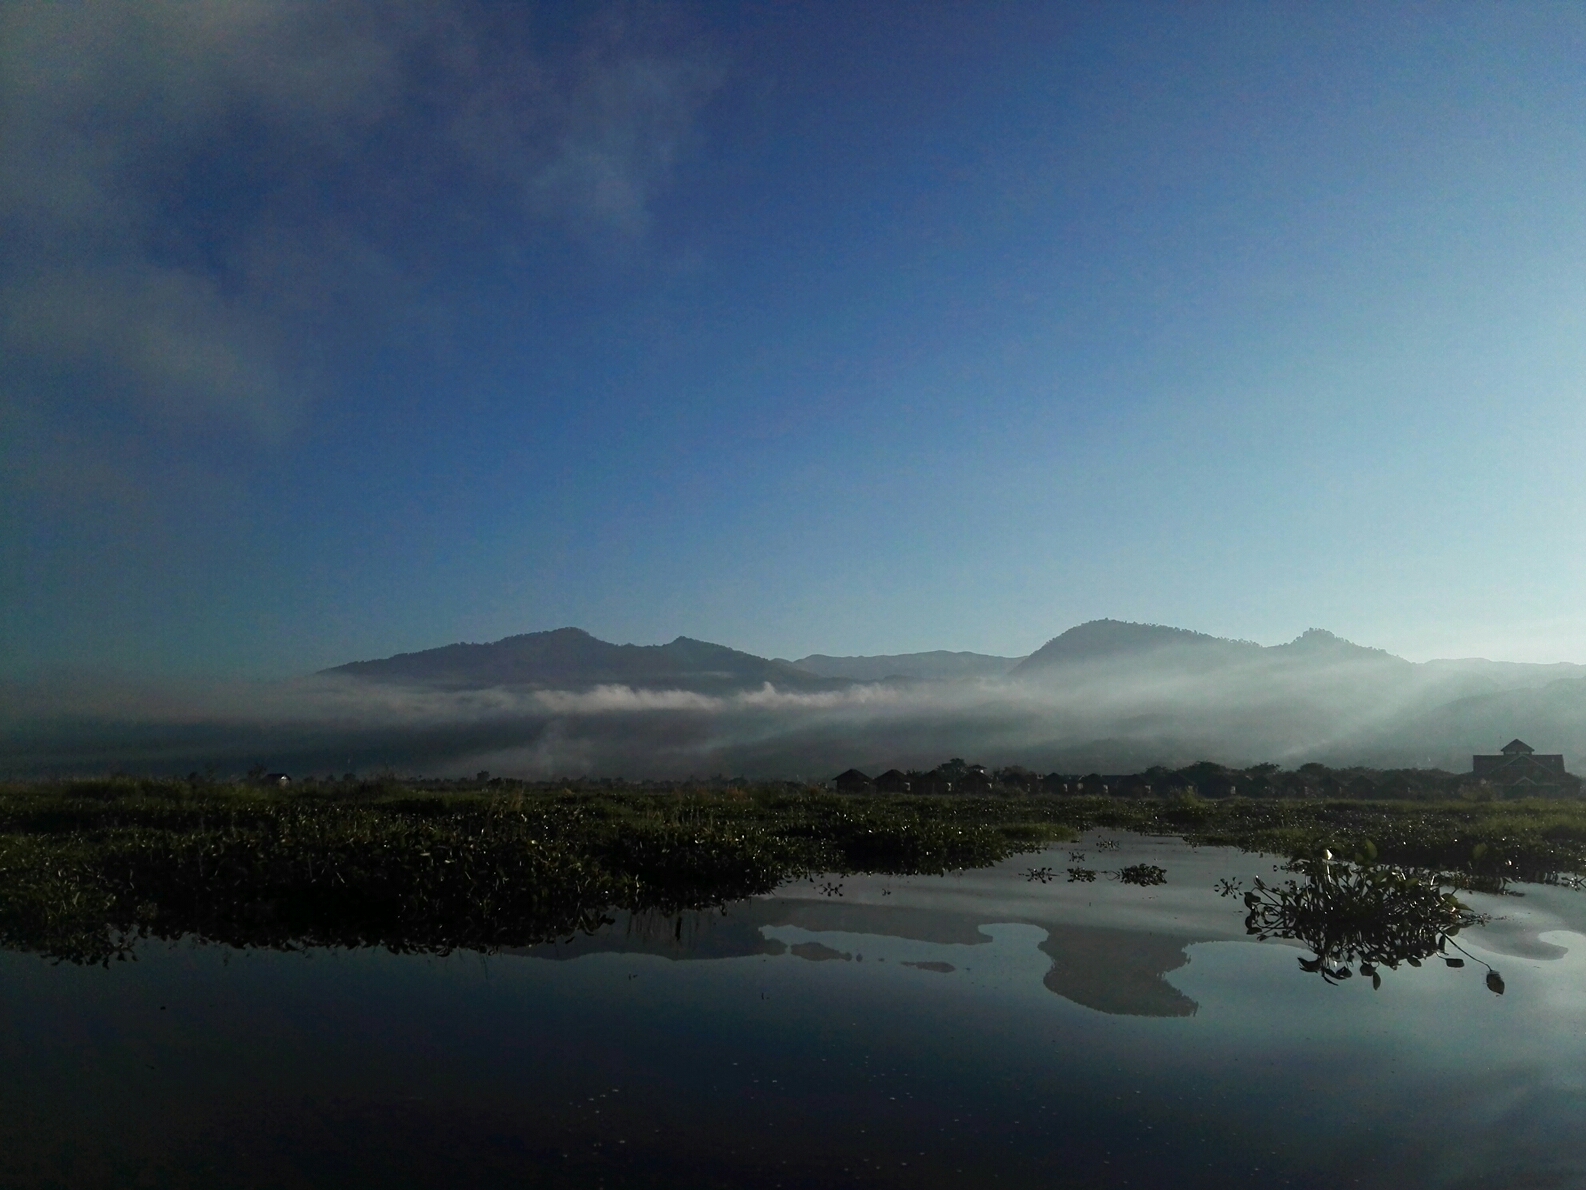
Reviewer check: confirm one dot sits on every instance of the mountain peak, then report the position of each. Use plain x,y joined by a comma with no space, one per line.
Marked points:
1319,640
1099,640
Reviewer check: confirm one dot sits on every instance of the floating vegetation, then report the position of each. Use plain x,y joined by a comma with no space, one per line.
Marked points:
1366,916
88,868
1229,886
1144,875
88,871
1044,875
1484,846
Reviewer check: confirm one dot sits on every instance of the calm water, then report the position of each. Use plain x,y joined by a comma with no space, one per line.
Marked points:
972,1030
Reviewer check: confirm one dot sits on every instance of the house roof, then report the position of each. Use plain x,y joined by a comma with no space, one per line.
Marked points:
1514,747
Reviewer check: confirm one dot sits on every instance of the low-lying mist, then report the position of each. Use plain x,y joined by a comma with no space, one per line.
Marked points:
1116,714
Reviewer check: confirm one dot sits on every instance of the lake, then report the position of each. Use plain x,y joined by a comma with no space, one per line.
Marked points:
1006,1026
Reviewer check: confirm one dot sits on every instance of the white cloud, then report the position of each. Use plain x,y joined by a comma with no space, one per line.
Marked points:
192,191
622,699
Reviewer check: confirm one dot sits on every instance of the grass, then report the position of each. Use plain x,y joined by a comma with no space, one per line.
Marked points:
89,868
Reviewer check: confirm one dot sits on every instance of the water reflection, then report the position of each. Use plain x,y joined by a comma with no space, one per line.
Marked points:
1114,971
1112,937
863,1030
1093,958
1119,972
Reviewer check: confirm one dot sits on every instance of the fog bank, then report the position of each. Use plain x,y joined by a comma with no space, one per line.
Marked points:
1107,716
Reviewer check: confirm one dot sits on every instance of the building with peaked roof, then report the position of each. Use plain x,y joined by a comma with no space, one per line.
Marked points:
853,781
892,781
1522,771
974,779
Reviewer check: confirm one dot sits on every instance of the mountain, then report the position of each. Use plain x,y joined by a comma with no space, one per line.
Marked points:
1551,717
937,665
1116,640
1318,644
572,659
1131,647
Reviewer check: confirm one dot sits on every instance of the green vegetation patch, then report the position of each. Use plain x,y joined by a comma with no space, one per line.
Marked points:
87,869
1369,915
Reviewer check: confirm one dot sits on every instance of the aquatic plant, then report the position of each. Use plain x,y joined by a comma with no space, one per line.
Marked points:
1366,915
88,868
1144,875
85,874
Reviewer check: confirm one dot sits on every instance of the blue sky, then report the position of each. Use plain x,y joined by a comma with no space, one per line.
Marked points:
337,329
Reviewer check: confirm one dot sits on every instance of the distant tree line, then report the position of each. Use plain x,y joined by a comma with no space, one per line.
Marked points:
1204,778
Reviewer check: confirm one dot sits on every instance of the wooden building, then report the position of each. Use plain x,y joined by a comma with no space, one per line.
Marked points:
1521,771
892,781
853,781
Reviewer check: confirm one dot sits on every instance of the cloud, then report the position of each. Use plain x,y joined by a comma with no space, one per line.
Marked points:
625,122
622,699
167,336
193,193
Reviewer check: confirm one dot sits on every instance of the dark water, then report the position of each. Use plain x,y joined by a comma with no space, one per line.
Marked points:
976,1030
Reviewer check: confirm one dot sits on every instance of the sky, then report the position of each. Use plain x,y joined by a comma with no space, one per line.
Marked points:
332,329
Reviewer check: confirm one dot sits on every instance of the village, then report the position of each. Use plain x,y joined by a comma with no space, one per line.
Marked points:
1515,771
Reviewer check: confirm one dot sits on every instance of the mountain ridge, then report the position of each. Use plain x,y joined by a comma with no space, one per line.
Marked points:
1101,641
934,665
574,659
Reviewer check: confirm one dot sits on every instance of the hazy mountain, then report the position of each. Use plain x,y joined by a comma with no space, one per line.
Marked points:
1551,718
1477,675
1318,644
572,659
1105,696
1115,642
937,665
